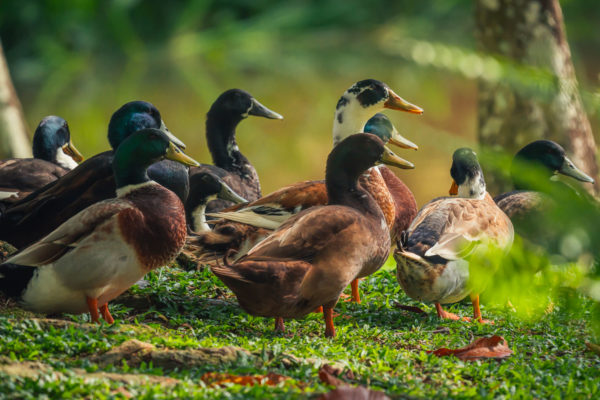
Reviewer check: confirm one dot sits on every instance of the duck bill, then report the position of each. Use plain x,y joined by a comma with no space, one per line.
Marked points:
453,189
258,110
402,142
171,137
389,158
174,153
569,169
395,102
70,150
227,193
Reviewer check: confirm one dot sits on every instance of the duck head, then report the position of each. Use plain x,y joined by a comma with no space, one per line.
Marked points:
549,158
134,116
360,102
140,150
208,187
382,127
467,176
52,142
353,156
228,110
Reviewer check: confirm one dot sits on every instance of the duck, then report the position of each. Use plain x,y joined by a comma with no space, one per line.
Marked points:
353,110
432,257
53,156
309,260
207,188
230,165
101,251
533,170
38,214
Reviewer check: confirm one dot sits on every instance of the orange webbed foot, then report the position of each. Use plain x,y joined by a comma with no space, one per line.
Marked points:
448,315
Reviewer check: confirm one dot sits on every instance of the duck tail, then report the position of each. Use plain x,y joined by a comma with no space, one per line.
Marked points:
15,278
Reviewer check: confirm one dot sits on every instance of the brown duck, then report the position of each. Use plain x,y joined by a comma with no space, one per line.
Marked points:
309,260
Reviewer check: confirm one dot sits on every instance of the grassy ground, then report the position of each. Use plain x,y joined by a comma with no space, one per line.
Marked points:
382,346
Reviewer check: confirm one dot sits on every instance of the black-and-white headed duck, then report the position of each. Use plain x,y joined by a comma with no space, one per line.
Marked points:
101,251
433,254
309,260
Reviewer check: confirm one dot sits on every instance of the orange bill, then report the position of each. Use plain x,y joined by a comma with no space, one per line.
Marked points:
453,189
395,102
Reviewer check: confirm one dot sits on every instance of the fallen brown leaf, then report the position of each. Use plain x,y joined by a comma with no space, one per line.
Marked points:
487,347
353,393
343,391
219,379
593,347
328,375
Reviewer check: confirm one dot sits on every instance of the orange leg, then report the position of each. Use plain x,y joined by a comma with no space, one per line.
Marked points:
318,309
448,315
328,316
279,325
355,292
93,307
106,314
477,311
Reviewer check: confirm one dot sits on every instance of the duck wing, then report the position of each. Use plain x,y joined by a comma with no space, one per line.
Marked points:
303,236
272,210
45,209
68,235
453,228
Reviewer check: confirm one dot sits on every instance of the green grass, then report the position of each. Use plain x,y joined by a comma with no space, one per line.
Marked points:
384,346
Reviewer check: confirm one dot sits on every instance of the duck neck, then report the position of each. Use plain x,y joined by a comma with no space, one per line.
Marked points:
199,215
350,118
220,137
343,189
129,173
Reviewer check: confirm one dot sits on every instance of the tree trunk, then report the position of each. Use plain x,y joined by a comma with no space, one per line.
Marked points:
14,140
531,33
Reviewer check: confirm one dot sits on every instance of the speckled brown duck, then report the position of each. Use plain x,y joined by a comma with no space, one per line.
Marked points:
309,260
433,254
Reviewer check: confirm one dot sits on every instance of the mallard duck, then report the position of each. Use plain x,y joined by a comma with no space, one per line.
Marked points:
53,156
544,159
309,260
433,255
45,209
353,110
207,187
101,251
230,165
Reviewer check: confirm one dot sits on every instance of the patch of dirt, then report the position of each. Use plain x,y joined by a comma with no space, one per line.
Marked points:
135,352
35,370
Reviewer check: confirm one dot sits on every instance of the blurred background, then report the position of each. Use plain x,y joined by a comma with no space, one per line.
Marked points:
83,59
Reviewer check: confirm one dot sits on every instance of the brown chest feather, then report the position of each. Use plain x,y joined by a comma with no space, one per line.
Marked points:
155,227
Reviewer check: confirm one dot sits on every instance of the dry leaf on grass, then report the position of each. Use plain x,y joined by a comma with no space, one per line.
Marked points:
593,347
219,379
353,393
487,347
344,391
